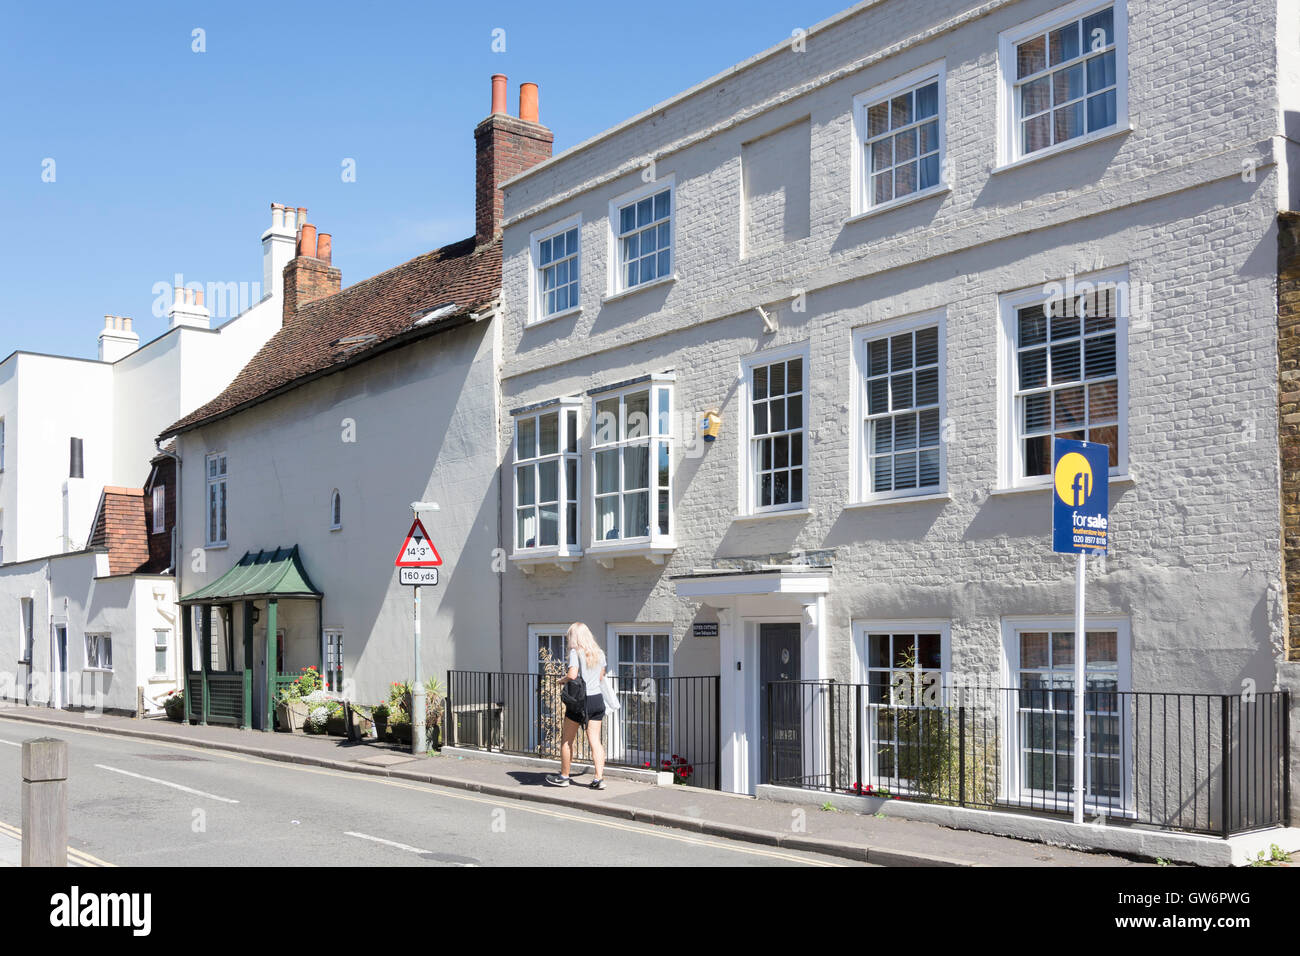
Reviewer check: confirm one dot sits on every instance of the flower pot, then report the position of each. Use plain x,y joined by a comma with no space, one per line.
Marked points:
291,715
381,728
336,725
175,709
401,732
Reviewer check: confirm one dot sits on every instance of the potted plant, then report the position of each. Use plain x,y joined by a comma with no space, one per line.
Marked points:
401,731
291,709
174,703
379,714
335,725
316,720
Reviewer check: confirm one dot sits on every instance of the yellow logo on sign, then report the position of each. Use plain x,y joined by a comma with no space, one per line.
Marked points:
1073,479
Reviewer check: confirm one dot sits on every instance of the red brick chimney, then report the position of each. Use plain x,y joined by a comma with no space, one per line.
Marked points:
309,275
506,146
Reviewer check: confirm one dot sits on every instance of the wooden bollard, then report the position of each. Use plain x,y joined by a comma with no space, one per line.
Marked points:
45,802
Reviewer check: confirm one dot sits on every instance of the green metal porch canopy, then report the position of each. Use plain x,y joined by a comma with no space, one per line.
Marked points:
275,574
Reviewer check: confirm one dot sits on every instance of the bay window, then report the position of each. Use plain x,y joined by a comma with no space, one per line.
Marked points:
631,445
546,479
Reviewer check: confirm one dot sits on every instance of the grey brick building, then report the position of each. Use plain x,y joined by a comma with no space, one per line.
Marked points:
897,254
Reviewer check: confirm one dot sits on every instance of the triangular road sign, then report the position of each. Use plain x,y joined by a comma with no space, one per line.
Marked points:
417,550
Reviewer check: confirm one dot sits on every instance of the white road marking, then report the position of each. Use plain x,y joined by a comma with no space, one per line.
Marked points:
392,843
166,783
446,792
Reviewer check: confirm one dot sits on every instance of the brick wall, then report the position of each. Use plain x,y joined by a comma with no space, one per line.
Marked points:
1288,355
307,279
506,146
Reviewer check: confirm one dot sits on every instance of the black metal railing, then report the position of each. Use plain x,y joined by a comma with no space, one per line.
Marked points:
1204,763
663,723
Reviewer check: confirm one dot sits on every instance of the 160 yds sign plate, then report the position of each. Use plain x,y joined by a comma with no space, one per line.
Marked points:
425,576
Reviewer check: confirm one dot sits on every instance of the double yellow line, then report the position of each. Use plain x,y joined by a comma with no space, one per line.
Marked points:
75,857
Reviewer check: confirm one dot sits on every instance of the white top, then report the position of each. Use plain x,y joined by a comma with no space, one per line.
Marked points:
590,675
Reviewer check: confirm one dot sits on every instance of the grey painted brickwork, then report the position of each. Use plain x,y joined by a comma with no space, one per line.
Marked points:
1195,557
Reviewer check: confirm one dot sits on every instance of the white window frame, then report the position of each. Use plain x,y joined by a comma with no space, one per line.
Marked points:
330,650
748,493
219,481
562,549
2,444
95,642
861,193
1010,150
660,435
158,501
1012,626
862,670
26,629
536,297
336,510
630,695
860,465
615,282
165,647
535,633
1010,455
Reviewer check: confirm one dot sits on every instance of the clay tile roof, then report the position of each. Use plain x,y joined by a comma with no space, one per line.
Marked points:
337,330
120,526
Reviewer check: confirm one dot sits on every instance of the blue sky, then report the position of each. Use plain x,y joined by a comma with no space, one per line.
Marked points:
166,160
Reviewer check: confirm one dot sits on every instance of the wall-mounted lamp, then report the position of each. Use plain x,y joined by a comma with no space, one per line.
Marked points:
712,424
257,614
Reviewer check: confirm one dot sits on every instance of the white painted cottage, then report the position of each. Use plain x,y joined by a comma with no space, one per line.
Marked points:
87,593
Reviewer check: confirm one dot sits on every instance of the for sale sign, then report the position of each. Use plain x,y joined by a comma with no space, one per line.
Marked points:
1080,496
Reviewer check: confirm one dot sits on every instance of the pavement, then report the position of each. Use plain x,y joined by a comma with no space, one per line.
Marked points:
843,835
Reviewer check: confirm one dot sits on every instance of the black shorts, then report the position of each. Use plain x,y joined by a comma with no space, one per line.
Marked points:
595,710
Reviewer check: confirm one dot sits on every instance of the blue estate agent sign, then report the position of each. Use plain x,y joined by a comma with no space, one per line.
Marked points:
1080,496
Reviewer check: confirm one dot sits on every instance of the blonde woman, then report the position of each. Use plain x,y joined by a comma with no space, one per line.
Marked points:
586,660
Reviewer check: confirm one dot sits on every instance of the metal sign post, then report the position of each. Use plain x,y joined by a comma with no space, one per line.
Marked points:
417,564
1080,525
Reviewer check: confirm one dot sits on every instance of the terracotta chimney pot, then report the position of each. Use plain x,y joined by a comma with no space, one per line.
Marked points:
498,92
528,102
